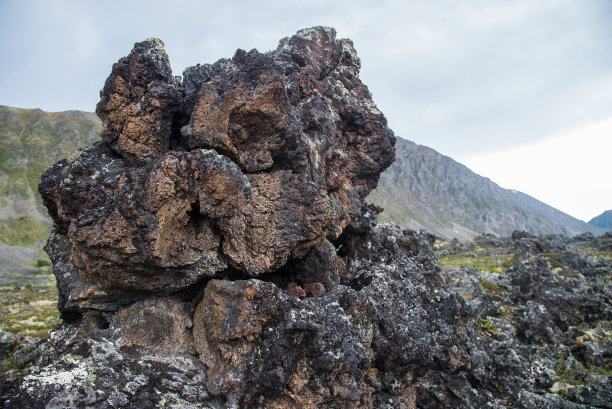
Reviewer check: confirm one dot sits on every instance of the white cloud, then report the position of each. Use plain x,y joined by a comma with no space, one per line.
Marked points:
572,172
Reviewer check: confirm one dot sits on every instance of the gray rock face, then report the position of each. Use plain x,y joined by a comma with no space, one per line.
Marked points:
539,329
426,190
603,221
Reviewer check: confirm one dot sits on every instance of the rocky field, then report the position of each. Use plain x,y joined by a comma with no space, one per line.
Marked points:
215,250
537,331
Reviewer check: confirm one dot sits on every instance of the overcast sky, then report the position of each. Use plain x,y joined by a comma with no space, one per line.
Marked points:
470,79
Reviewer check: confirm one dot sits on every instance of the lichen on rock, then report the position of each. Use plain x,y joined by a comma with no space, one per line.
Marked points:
214,250
250,163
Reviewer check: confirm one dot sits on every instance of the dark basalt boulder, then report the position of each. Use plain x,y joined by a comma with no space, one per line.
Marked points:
214,250
221,224
250,163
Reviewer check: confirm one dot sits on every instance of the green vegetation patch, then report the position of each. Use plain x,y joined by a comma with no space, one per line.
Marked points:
485,327
492,288
553,261
573,370
606,255
18,358
570,375
28,311
23,231
592,252
496,263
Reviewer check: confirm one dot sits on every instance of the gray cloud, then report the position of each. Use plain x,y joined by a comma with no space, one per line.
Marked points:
462,77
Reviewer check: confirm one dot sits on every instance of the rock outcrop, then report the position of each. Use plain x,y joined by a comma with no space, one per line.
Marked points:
247,164
221,220
214,251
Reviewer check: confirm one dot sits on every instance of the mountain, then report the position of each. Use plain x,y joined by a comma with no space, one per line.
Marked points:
31,140
603,221
423,189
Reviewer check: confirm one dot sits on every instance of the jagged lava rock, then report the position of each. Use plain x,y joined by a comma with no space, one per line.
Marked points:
187,236
250,162
214,251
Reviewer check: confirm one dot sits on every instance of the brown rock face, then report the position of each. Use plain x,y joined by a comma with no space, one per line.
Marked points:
258,341
222,220
138,103
249,163
159,324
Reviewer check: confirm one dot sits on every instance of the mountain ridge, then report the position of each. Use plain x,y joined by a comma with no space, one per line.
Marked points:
424,189
30,141
603,221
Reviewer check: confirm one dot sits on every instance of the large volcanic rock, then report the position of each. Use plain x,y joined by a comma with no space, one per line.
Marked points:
214,249
248,163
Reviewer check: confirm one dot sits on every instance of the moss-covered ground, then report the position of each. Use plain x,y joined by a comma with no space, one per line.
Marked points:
494,260
29,307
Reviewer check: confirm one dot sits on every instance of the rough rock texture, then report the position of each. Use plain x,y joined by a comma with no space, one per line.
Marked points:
540,327
215,251
249,162
138,102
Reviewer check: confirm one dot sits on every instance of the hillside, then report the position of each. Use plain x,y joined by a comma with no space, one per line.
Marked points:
421,190
603,221
426,190
31,141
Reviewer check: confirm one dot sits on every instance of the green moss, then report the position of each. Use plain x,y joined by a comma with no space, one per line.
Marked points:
553,261
593,252
491,288
485,327
496,263
23,231
42,262
567,375
28,311
18,359
606,369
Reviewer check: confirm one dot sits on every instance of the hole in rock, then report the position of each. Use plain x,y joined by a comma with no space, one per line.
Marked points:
347,241
362,281
196,219
176,140
71,317
260,135
100,321
284,278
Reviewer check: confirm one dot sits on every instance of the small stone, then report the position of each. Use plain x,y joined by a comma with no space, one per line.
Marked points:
296,291
315,290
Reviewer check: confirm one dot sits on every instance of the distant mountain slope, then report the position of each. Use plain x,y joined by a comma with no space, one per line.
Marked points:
603,221
422,189
426,190
31,140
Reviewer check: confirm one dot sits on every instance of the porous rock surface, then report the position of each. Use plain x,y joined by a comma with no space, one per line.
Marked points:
246,164
215,251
